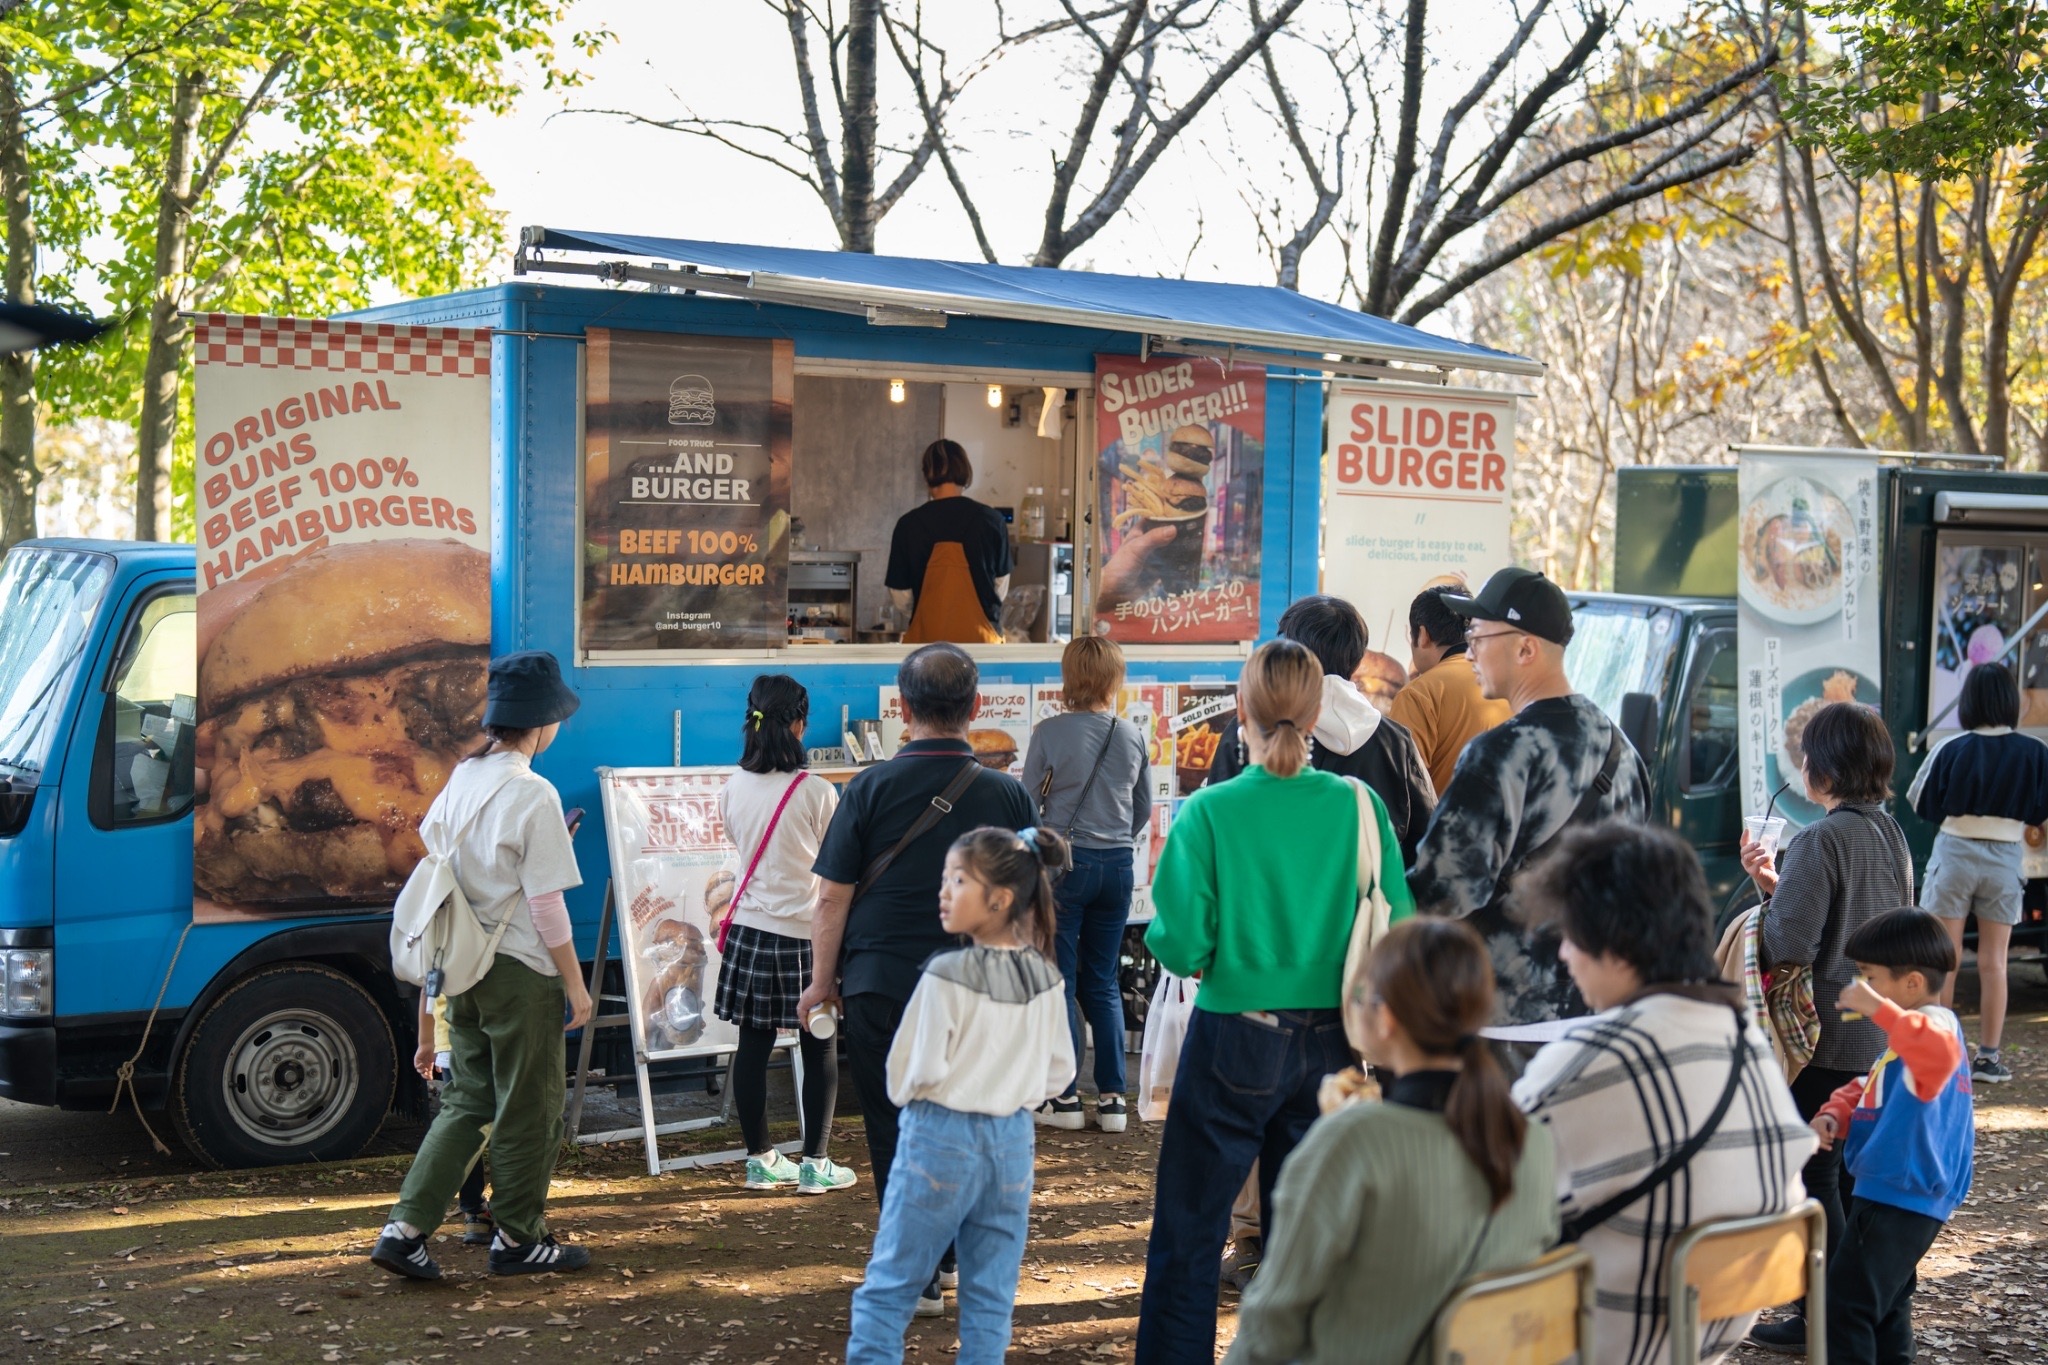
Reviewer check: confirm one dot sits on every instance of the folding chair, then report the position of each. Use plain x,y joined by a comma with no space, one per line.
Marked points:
1539,1314
1733,1266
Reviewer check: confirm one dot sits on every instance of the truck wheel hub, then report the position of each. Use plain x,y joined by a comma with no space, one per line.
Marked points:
290,1077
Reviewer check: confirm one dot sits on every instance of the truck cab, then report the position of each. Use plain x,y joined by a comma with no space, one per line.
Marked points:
1664,669
268,1041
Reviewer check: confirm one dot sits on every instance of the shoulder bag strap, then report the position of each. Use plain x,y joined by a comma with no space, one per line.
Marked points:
941,805
1457,1281
1582,813
456,833
1575,1228
1093,773
746,879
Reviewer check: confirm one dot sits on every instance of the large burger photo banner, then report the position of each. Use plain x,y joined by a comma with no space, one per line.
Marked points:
344,601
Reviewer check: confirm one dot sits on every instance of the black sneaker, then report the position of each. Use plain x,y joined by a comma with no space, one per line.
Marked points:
949,1271
1241,1263
405,1256
1110,1114
1988,1070
535,1258
932,1302
477,1227
1064,1112
1786,1336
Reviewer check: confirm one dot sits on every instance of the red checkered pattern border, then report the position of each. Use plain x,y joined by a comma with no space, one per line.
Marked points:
317,344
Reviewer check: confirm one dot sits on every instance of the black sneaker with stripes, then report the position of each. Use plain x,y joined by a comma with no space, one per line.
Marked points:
405,1256
535,1258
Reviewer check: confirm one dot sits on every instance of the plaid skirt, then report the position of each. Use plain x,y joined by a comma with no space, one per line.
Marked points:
762,977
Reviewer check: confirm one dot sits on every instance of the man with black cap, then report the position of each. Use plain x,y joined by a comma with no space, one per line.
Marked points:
1558,761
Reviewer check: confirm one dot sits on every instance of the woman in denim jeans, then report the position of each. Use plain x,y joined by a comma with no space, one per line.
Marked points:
1256,891
1090,776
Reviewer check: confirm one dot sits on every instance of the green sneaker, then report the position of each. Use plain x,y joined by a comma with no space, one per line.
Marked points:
771,1172
821,1175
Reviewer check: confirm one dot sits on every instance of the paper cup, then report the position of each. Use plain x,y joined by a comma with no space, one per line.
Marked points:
823,1021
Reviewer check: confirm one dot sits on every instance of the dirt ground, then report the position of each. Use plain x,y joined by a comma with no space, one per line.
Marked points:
271,1266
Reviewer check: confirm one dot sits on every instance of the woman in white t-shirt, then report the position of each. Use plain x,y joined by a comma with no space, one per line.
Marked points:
775,814
501,827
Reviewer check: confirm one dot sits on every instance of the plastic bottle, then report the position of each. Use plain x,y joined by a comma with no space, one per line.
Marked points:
1066,514
1031,515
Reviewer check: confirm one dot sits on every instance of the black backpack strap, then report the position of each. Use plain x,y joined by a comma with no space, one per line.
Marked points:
941,805
1575,1228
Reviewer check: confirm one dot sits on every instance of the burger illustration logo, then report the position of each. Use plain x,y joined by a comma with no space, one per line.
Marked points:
333,704
690,403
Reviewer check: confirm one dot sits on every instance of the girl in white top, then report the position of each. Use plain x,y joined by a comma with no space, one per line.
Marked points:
983,1042
775,814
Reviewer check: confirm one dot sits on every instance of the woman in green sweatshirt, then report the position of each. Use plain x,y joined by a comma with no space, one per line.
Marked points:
1255,892
1386,1207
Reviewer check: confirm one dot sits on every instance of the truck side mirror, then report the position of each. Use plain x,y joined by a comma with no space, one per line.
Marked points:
1639,722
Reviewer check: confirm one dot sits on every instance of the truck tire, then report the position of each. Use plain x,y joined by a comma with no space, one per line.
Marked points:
295,1063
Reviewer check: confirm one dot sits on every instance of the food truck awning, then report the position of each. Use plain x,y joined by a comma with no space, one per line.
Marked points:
910,291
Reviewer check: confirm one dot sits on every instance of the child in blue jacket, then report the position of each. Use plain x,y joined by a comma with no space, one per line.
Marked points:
1907,1135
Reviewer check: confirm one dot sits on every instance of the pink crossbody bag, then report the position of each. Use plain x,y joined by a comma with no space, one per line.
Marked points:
725,925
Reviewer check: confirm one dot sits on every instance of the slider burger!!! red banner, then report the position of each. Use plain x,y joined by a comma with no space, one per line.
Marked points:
344,600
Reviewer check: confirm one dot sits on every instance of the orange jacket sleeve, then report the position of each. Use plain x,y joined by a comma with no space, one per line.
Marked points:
1842,1104
1931,1054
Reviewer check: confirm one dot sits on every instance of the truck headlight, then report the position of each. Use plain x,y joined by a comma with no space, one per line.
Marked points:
26,975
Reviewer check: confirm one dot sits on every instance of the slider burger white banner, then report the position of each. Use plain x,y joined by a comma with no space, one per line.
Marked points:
344,599
1417,484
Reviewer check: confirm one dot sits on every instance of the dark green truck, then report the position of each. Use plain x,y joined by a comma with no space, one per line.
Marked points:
1660,654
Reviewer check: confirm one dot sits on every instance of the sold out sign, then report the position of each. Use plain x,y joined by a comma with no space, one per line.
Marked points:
1425,445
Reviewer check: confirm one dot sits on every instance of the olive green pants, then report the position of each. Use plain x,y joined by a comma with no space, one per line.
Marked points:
505,1040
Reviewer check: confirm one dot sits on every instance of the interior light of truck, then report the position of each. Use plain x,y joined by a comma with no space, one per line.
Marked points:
895,391
25,987
995,395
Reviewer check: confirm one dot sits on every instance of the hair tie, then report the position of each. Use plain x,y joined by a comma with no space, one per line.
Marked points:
1465,1041
1029,834
1288,723
758,718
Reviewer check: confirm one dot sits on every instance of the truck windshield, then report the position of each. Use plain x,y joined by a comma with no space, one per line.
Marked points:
48,599
1618,648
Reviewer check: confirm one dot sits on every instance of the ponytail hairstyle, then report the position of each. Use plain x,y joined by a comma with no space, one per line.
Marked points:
1019,862
1281,690
775,702
1434,976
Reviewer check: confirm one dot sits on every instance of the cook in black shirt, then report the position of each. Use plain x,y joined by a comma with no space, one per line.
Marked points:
949,560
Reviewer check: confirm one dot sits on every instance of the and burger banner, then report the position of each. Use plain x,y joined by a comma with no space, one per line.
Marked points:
1417,482
344,618
1182,474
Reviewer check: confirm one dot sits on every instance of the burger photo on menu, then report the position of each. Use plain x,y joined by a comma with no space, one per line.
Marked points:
336,695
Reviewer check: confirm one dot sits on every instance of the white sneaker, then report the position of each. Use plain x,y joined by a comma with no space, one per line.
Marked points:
932,1302
1110,1114
1061,1113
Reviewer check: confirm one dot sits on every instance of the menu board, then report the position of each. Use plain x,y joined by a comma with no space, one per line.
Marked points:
343,623
1807,631
686,491
1182,471
673,878
1000,731
1201,710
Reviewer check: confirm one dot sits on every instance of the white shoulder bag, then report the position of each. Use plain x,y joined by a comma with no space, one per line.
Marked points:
436,940
1369,924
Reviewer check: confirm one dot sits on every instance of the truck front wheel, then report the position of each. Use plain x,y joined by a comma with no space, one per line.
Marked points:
295,1063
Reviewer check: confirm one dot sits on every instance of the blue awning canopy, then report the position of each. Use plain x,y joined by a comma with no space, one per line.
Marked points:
1265,318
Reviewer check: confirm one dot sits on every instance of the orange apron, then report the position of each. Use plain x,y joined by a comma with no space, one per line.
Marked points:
948,607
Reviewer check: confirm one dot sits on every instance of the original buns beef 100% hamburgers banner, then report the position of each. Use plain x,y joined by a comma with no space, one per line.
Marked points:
344,601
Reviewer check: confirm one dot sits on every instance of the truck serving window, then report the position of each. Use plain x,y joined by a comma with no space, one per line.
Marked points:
142,766
48,600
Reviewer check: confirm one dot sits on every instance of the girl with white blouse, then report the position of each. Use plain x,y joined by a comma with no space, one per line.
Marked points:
983,1042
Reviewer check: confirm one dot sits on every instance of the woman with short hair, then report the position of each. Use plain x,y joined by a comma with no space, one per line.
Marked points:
1641,1079
1983,787
1091,779
949,560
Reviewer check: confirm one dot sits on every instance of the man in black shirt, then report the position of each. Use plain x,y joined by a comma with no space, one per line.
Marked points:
867,952
949,560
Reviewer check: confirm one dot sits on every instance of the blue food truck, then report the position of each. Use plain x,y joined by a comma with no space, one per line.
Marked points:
282,1037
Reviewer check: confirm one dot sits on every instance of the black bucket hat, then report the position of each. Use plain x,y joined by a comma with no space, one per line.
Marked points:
527,691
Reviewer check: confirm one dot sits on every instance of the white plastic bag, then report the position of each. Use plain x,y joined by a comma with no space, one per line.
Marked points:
1166,1029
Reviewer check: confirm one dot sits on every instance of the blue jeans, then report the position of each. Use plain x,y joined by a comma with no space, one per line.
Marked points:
1094,905
962,1179
1245,1091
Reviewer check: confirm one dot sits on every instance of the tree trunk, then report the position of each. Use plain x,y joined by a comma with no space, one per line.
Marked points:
168,333
19,476
857,172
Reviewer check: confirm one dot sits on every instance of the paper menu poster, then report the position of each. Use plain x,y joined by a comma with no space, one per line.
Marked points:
1007,707
1196,730
1150,707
